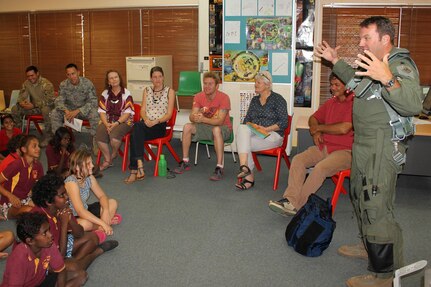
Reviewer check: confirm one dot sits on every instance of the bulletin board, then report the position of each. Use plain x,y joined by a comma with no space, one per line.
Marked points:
257,37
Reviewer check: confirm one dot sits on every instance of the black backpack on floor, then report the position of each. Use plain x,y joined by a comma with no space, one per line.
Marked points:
310,230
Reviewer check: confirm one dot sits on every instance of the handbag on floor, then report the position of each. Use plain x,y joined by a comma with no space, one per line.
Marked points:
310,230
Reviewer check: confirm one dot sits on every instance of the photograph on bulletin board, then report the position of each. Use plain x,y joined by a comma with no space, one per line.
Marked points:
242,66
269,33
303,78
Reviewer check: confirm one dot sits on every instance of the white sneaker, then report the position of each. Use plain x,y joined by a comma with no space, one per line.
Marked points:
282,207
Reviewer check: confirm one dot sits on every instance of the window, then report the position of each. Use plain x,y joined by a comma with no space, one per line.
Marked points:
341,28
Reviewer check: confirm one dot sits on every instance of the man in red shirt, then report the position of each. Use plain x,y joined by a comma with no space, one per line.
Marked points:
331,129
209,121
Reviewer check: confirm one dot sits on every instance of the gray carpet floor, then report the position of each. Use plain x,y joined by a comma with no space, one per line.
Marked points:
189,231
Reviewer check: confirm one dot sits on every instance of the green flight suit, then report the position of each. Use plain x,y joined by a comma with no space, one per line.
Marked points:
373,162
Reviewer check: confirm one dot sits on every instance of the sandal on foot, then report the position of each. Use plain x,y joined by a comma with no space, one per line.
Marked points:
128,179
142,172
243,171
105,165
242,185
116,219
108,245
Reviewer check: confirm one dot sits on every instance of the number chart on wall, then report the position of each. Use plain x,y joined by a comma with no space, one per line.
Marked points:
257,37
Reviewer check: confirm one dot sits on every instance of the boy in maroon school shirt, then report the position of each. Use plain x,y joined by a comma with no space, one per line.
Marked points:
80,247
30,260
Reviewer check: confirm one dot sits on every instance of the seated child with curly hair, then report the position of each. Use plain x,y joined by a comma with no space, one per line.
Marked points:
14,151
80,247
7,132
31,259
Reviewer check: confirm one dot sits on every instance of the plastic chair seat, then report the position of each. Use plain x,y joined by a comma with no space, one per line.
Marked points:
279,152
338,179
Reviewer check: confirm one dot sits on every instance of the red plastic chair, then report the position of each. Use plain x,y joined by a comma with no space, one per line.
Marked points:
159,142
126,140
338,179
279,152
36,120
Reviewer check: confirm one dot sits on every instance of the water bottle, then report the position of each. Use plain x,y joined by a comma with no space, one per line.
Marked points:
163,166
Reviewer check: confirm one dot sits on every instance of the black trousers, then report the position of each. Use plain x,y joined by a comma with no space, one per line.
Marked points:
140,134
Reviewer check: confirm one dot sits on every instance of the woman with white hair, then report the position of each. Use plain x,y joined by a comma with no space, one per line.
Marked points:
267,113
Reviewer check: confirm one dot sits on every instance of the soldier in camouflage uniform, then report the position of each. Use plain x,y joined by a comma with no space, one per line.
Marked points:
376,155
36,97
76,99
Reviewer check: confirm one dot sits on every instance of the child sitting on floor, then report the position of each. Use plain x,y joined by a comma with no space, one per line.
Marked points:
19,177
7,131
58,151
81,247
31,259
14,151
101,214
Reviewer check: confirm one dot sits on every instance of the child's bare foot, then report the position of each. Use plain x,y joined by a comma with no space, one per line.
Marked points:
116,219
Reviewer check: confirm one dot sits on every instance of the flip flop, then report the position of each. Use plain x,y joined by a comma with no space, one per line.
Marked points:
117,219
127,180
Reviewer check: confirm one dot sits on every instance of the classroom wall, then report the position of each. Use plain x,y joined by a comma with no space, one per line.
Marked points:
45,5
231,89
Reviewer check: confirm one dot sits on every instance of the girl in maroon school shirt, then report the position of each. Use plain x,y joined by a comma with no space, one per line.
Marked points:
17,180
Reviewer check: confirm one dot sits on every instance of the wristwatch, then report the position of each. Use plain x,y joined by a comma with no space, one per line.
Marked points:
390,83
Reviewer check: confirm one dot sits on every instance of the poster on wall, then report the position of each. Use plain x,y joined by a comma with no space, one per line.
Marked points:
257,37
269,34
244,102
304,53
303,78
242,66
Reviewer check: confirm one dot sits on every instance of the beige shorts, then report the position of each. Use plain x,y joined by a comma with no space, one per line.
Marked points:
205,132
117,133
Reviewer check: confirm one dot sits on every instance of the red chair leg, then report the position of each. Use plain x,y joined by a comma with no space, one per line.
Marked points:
125,153
286,159
36,124
99,157
27,129
150,152
159,152
277,172
174,154
256,161
338,179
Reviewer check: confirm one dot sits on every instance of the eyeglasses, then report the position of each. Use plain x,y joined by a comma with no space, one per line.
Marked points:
263,75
